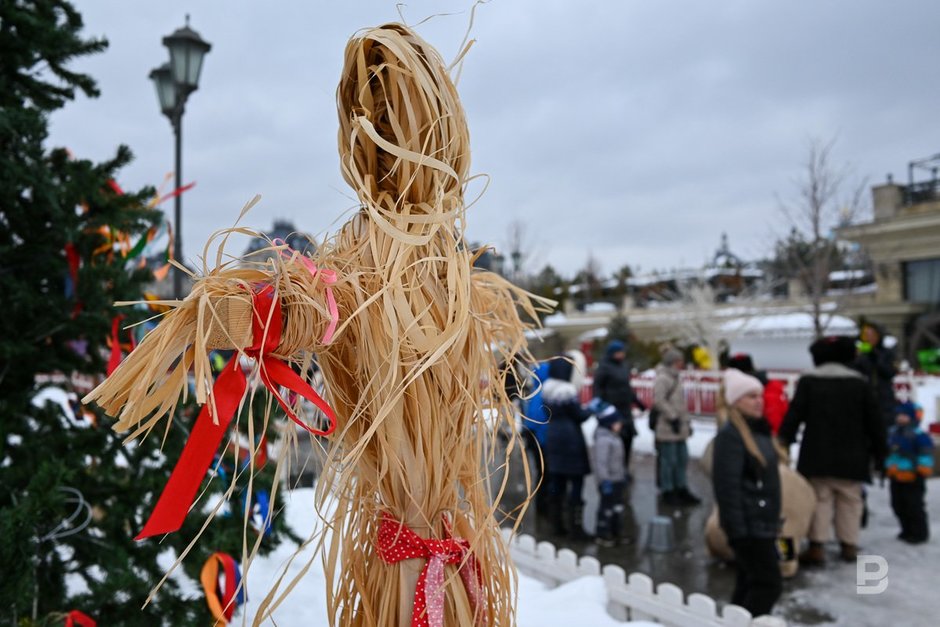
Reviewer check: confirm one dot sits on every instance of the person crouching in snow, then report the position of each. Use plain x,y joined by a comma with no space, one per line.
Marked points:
610,471
747,490
910,462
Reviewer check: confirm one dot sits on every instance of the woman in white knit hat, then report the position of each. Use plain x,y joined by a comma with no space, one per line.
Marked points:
747,490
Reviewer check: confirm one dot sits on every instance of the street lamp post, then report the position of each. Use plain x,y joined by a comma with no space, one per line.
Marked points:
174,82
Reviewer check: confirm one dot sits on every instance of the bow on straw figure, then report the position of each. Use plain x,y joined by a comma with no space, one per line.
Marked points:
414,537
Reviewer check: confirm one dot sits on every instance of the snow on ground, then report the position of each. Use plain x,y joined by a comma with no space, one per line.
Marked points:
829,595
580,602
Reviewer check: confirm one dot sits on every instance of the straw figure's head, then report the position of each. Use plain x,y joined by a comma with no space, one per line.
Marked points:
403,139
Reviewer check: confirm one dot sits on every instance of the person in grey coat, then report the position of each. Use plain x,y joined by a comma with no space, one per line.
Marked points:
672,429
610,471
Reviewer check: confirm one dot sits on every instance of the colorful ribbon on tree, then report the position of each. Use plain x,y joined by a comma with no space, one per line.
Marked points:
71,279
229,389
81,619
115,359
222,600
258,511
396,542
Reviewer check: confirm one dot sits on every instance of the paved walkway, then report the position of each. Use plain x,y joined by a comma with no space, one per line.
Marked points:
688,566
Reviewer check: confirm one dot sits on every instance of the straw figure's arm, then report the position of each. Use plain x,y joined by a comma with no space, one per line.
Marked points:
282,308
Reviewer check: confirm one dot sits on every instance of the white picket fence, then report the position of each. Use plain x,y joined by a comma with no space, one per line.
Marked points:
628,598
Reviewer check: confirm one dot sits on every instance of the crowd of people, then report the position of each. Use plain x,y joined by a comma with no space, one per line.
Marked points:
844,415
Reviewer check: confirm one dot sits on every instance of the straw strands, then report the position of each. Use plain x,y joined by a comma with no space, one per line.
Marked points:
420,355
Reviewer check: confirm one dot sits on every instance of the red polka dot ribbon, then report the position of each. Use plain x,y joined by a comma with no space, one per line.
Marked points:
229,389
396,542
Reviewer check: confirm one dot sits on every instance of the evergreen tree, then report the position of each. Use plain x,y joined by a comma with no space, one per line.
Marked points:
60,276
550,284
618,328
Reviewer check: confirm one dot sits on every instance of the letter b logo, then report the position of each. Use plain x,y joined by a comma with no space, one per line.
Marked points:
871,580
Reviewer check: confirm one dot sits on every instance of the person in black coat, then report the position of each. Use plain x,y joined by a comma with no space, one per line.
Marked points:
612,384
876,362
843,437
747,488
566,454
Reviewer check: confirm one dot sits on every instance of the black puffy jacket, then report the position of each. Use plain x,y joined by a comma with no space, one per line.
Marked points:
612,384
565,449
878,367
747,493
844,433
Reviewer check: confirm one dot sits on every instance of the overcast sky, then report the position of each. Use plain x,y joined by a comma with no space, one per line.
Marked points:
634,131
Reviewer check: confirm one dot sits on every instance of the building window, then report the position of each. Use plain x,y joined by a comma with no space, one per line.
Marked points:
922,281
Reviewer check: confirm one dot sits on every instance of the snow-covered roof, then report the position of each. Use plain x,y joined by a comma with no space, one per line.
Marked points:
847,275
600,307
594,334
557,320
692,274
539,334
795,324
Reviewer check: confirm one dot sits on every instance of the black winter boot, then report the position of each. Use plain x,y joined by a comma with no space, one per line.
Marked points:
687,498
616,524
671,498
557,515
815,555
575,521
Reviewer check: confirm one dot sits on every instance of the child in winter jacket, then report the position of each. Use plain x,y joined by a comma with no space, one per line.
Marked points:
610,470
909,463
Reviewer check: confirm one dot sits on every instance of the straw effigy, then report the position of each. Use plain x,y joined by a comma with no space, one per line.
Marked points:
412,370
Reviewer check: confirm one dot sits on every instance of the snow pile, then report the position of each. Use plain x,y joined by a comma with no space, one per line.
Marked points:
580,602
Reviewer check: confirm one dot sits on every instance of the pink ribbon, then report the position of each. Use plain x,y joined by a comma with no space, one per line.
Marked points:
327,276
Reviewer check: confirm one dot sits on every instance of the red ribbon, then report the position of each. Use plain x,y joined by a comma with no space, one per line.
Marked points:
230,387
176,192
79,618
396,542
73,260
115,360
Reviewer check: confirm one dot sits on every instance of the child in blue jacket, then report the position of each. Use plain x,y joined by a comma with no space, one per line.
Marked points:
909,463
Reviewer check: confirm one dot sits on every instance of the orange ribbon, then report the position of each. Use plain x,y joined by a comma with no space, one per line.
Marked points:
222,602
